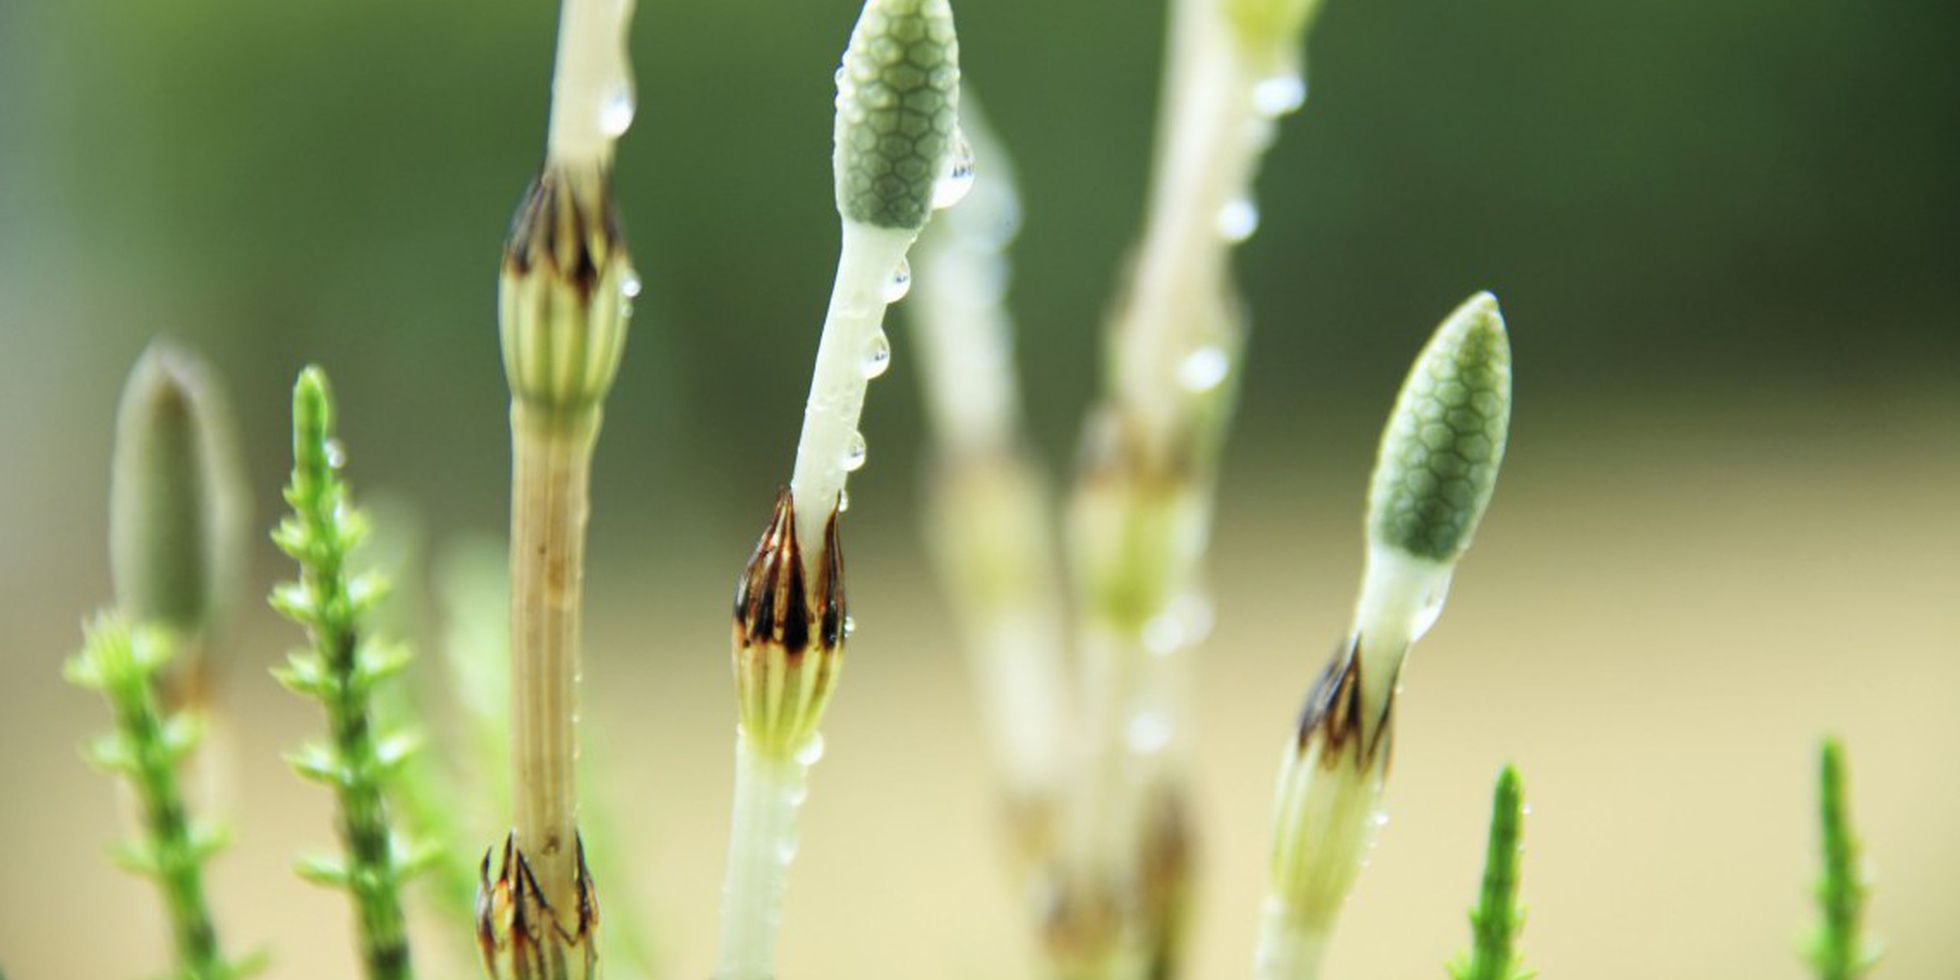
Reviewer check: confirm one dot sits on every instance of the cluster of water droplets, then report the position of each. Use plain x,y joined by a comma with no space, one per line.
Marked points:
951,188
1277,95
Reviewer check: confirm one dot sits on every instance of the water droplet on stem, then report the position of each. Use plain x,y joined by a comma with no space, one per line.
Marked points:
616,116
1237,220
1283,93
878,359
854,453
900,282
1204,369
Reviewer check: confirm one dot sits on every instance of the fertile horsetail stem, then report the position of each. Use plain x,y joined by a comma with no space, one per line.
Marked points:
895,147
1433,479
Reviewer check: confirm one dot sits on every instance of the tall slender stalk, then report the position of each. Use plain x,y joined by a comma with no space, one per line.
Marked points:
990,523
1839,950
1434,475
1141,514
897,116
564,303
341,671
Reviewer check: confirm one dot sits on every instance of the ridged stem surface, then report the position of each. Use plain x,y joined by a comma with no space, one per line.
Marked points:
552,464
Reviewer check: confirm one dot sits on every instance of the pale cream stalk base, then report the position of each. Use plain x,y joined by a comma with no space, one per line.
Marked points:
1288,949
592,88
1401,596
1326,811
769,790
1330,810
551,465
866,264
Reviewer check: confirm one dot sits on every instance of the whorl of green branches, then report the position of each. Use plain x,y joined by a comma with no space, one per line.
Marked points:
147,748
340,671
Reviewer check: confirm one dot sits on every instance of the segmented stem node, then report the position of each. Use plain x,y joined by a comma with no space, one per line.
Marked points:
566,293
789,633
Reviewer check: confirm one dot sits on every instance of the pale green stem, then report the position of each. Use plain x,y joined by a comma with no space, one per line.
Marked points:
592,98
1289,949
769,790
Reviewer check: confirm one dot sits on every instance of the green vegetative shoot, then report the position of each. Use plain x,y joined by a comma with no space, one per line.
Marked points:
341,670
1839,950
1498,918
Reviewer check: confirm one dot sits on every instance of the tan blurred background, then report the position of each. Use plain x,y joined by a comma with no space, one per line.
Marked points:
1725,235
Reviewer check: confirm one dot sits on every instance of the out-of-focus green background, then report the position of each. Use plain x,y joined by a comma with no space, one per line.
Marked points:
1727,237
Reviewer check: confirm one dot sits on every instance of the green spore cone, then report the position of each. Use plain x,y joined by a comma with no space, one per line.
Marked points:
1498,918
1839,950
1441,449
897,112
340,670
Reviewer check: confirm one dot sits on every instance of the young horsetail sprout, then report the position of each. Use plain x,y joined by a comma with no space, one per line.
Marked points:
341,671
1839,950
564,301
1433,479
896,160
146,748
1497,919
178,509
1140,518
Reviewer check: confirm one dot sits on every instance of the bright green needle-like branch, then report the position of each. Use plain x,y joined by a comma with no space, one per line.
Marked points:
1840,949
1498,918
341,671
148,748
